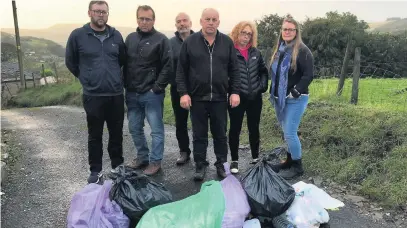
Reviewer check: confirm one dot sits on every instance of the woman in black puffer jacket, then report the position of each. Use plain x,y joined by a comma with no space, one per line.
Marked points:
254,82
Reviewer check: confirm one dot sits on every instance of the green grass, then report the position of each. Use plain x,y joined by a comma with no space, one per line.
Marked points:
55,94
377,93
364,144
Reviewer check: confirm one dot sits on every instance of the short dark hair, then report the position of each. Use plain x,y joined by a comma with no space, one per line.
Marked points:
91,3
146,8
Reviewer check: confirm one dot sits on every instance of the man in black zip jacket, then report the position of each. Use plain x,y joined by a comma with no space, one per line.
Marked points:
183,24
146,74
94,54
207,70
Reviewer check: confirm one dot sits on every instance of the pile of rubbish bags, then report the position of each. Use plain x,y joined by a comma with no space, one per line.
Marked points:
260,199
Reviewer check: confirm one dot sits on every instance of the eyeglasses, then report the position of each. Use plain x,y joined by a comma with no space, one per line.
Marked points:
244,33
100,12
288,30
146,19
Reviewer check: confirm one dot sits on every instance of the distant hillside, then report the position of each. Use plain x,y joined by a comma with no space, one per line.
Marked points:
395,26
33,44
60,32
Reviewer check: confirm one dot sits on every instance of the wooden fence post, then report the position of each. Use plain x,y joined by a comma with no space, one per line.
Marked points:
56,73
43,75
356,76
344,69
25,82
33,79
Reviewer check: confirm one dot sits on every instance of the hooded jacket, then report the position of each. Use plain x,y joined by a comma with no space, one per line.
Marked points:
96,62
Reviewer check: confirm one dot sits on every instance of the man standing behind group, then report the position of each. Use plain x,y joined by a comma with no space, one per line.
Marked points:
207,71
147,70
183,24
95,54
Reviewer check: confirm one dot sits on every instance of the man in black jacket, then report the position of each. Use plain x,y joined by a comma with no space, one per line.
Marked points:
183,24
207,70
95,54
147,70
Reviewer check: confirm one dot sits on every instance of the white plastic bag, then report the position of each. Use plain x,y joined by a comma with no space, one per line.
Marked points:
318,195
306,212
252,223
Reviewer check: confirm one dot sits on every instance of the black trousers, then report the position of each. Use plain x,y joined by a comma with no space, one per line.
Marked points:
98,110
216,113
181,121
252,108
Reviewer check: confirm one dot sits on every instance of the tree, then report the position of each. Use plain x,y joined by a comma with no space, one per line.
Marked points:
328,37
385,54
269,28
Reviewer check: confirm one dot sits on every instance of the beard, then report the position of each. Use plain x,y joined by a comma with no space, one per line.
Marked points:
183,30
99,23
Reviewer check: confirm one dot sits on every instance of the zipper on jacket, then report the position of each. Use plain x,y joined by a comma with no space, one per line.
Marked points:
249,81
211,57
103,50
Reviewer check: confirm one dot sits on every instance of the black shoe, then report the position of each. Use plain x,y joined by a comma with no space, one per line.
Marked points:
234,167
200,172
95,178
284,165
184,158
220,170
294,171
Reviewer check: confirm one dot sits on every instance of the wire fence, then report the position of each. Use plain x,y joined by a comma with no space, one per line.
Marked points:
378,86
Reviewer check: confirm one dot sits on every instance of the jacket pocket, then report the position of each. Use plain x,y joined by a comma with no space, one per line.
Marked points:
92,79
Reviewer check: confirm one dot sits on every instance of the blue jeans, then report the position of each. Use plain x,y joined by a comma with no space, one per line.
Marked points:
290,121
148,105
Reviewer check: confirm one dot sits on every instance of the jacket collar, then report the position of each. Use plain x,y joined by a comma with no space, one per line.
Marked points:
179,36
146,33
216,36
89,29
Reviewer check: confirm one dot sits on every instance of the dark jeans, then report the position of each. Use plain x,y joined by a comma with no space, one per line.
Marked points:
98,110
216,112
146,106
181,121
253,112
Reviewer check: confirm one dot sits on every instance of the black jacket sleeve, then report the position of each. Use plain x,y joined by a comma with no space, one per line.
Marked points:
306,61
263,74
124,70
122,50
181,77
234,76
166,66
71,55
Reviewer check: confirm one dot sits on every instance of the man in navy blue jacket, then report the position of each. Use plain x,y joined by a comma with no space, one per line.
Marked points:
95,54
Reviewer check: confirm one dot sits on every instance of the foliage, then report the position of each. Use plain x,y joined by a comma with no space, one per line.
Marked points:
48,72
383,54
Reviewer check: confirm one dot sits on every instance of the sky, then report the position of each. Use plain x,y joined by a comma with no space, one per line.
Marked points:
35,14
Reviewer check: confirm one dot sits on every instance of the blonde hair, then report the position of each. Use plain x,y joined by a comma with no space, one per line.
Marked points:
239,28
297,41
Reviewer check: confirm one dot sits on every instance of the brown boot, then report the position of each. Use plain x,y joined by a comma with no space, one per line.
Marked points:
138,164
183,158
152,168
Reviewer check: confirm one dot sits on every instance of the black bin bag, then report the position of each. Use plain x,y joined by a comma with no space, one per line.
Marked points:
269,195
136,193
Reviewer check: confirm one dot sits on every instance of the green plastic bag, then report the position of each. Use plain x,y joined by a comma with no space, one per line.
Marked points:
202,210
